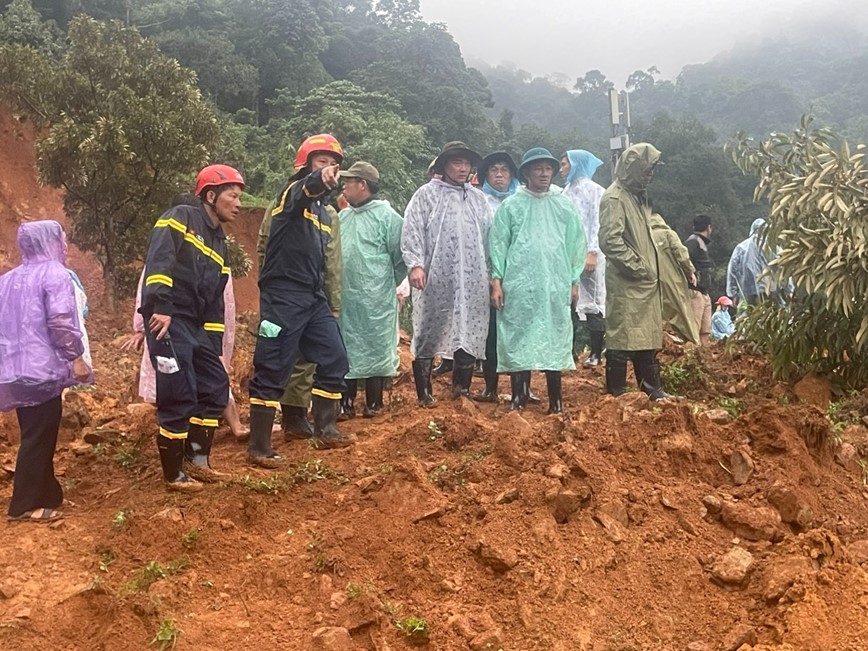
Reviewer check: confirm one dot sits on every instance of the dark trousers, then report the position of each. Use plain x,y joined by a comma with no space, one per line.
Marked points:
198,389
35,485
307,326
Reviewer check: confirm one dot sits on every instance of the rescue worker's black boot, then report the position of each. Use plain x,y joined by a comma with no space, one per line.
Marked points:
373,396
553,385
422,377
489,372
326,434
259,450
647,369
197,455
520,382
295,424
444,367
462,373
348,401
532,398
616,372
172,461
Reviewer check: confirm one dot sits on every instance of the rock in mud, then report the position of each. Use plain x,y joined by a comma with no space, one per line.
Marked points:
713,504
847,456
507,496
499,559
738,636
741,466
733,568
858,551
564,503
752,522
717,416
814,390
782,574
332,638
791,507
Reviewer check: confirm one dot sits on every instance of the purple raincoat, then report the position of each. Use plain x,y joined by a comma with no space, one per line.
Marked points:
40,334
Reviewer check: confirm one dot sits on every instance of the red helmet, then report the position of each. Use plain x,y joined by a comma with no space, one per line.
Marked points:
726,301
323,142
215,175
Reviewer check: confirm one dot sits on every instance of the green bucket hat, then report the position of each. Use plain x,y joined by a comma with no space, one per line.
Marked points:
536,154
456,149
361,170
497,157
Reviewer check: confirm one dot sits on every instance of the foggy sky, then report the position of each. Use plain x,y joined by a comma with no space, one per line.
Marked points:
620,36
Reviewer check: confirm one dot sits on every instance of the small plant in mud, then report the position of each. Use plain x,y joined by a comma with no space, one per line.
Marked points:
842,414
436,475
153,572
127,456
121,519
435,430
106,558
683,375
167,635
354,590
732,406
271,485
415,628
189,539
314,470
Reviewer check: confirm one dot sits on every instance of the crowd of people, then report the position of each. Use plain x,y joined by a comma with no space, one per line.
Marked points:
505,270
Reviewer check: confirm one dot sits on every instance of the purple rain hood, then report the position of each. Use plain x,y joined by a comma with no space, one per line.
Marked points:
39,327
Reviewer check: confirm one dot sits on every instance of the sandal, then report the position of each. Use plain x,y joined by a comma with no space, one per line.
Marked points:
39,516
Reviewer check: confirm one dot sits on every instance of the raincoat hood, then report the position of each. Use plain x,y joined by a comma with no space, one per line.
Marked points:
583,164
634,165
756,225
42,241
513,186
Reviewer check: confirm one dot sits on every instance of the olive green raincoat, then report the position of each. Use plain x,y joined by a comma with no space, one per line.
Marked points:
634,309
675,268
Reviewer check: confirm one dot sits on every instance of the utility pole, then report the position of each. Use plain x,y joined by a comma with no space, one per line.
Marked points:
619,110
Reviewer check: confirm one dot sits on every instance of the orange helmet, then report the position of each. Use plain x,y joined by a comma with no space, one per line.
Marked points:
324,142
215,175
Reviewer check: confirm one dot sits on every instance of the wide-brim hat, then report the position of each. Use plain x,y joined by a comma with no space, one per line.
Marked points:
497,157
537,154
361,170
456,149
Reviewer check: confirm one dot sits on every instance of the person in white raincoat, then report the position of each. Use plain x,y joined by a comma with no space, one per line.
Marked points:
444,245
373,268
537,246
577,169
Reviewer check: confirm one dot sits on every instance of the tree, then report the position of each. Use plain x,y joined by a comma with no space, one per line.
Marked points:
817,188
21,24
593,83
128,129
642,79
370,126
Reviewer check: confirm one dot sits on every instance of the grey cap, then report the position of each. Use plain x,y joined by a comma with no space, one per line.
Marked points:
361,170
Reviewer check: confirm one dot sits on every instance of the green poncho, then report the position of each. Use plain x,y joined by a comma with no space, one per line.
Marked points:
373,268
634,310
675,269
537,248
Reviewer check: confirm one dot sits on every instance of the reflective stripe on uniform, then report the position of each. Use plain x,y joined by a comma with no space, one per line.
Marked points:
171,223
172,435
316,222
265,403
204,422
326,394
159,278
215,327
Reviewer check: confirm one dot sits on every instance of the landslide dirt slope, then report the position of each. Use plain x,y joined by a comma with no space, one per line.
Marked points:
624,526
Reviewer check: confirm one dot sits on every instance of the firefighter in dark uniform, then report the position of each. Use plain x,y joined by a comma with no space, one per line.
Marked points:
294,313
182,302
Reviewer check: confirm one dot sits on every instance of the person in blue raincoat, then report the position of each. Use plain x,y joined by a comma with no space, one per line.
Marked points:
373,268
537,249
577,169
721,321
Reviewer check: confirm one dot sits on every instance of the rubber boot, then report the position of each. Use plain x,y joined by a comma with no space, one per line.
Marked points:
296,426
422,377
259,450
647,369
197,455
489,372
616,372
444,367
479,369
532,398
553,384
462,373
520,382
172,461
373,396
348,401
326,434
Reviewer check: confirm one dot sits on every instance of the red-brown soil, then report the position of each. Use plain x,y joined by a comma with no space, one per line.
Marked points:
609,530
